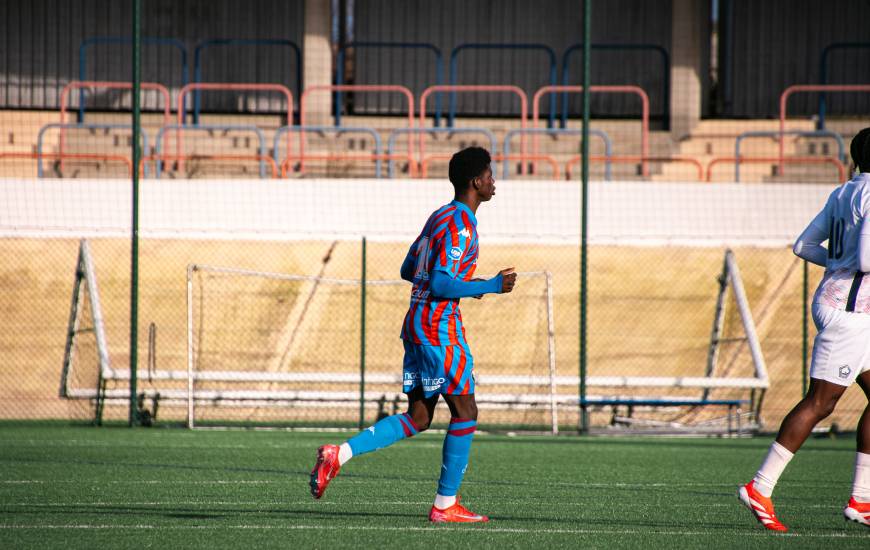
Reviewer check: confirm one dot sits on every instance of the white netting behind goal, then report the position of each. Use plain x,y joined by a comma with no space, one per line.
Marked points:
276,349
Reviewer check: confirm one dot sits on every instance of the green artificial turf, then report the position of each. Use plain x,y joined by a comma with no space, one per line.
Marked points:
82,487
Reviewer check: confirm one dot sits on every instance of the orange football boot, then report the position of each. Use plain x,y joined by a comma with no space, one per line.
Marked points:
761,507
455,514
859,512
325,469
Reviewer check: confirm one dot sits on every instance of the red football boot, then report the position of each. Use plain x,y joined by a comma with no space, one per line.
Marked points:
325,469
761,507
455,514
859,512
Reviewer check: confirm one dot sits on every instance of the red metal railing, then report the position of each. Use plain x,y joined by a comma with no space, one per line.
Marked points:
72,156
371,157
226,87
799,88
554,165
636,90
163,157
108,85
635,159
841,168
393,88
524,106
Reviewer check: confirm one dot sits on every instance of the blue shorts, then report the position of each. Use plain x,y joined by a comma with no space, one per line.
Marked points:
438,369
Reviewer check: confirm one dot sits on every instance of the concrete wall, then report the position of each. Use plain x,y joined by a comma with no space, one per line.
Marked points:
394,210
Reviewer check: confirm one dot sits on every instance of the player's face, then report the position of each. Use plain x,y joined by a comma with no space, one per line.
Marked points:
485,185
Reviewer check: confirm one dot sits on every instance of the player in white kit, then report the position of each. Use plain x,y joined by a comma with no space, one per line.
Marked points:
841,350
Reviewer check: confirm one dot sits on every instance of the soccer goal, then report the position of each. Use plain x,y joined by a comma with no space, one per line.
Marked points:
273,349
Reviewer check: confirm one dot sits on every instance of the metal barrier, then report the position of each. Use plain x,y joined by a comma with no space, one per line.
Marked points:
424,164
62,126
500,46
633,159
162,158
666,73
285,165
226,86
180,128
608,145
391,140
524,103
823,73
204,45
353,88
439,69
85,84
376,156
95,40
82,156
637,90
841,147
799,88
841,168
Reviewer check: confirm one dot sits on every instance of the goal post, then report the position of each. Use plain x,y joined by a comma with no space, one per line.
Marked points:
269,348
86,363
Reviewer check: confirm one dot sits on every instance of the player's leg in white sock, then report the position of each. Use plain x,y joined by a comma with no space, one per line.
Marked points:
774,464
861,484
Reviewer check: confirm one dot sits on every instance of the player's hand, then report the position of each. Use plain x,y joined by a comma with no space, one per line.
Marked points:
508,279
479,296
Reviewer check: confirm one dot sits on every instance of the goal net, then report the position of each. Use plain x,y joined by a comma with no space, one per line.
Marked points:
271,349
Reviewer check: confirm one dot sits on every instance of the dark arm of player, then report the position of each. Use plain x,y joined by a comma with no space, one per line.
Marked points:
809,245
407,270
444,286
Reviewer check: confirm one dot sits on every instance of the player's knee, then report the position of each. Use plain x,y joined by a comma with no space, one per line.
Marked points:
421,422
822,406
469,411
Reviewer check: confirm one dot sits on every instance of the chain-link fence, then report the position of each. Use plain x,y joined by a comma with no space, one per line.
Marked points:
275,136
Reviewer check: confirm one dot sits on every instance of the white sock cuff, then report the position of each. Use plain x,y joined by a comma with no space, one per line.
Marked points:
444,502
862,459
782,451
344,453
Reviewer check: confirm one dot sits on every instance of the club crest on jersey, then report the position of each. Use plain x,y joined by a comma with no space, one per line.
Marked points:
455,252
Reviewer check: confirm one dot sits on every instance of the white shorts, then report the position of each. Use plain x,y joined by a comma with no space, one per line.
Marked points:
841,350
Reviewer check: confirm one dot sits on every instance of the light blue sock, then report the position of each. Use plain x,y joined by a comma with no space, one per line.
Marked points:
382,434
457,445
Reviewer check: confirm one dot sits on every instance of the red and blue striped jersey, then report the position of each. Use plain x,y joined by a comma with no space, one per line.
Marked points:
447,243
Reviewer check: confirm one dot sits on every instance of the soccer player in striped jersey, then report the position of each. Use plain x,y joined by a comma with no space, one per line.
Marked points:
438,362
841,350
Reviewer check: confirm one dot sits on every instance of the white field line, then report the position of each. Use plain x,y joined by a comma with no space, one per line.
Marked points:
288,480
526,503
646,531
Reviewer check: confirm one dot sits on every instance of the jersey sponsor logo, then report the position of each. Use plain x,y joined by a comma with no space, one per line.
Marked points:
845,371
455,252
418,295
431,384
465,233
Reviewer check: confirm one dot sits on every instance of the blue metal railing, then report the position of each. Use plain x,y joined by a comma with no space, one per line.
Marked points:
823,73
608,144
391,141
204,45
439,69
337,130
84,126
666,73
94,40
261,139
841,146
499,46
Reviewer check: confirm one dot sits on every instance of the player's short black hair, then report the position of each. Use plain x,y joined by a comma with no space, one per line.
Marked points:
466,165
860,150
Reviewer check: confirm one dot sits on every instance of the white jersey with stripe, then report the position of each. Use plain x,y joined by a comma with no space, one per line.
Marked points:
843,286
